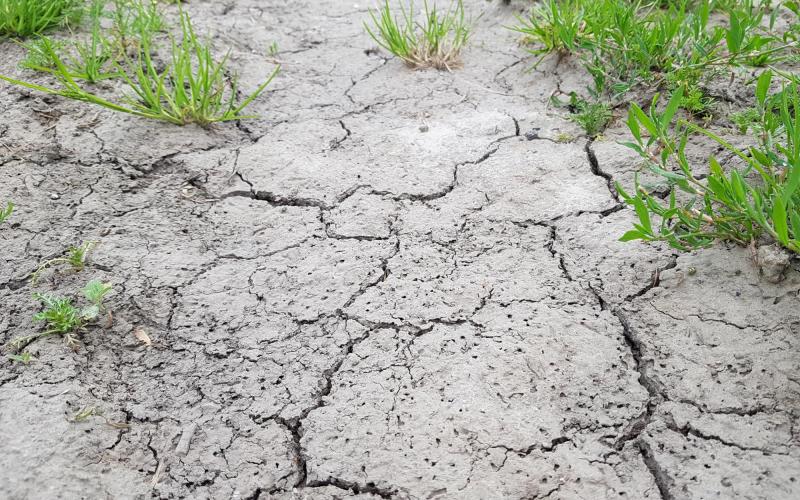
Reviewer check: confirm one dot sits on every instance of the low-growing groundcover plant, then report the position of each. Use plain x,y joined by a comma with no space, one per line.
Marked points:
61,317
190,86
760,201
21,18
434,42
666,45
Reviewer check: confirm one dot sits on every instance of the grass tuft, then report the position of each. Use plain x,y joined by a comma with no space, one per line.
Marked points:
23,18
434,42
190,86
592,116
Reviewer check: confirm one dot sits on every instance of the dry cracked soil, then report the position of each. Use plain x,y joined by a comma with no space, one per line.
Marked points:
395,284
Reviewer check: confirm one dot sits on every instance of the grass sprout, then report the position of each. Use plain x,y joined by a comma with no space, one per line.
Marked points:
6,212
24,357
592,116
22,18
434,42
76,258
94,292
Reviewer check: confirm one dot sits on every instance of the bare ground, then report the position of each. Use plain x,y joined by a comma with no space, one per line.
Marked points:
396,284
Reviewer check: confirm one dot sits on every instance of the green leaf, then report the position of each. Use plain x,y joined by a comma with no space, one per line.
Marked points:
762,86
779,221
644,120
91,312
633,125
792,183
795,218
672,106
734,35
643,213
760,157
667,174
632,235
622,192
633,146
715,167
738,187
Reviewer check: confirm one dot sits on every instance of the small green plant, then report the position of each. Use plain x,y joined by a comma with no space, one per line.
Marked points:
6,212
131,20
21,18
743,205
435,42
556,26
627,43
86,59
593,117
61,317
24,357
746,119
95,292
75,258
192,88
85,413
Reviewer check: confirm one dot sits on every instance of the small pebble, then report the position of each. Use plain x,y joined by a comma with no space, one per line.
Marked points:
54,196
423,128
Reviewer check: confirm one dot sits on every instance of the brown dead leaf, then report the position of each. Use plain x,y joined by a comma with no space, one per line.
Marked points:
142,336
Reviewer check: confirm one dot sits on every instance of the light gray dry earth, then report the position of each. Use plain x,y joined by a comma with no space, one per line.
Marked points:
397,284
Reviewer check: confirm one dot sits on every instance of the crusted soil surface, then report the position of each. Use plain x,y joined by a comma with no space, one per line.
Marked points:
397,284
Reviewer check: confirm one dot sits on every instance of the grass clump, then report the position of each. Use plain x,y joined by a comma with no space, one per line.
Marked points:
625,44
434,42
24,357
83,59
61,317
760,201
188,86
22,18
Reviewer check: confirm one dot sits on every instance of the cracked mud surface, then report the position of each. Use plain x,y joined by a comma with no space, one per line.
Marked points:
397,284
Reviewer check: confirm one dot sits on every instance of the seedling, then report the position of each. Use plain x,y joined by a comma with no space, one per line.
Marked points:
747,119
24,358
85,413
21,18
760,201
6,212
83,60
132,19
555,27
76,258
593,117
435,42
95,292
61,317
